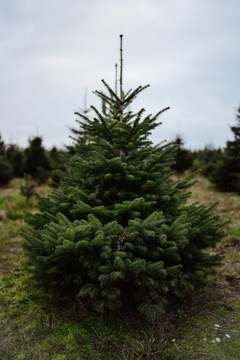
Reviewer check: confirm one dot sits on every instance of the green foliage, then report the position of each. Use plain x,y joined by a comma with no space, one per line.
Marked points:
56,158
118,233
6,170
37,164
34,161
15,156
183,157
206,159
226,173
27,188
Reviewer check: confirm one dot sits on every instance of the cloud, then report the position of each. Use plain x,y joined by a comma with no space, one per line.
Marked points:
187,50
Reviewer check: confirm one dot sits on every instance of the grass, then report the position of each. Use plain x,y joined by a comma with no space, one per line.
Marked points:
31,327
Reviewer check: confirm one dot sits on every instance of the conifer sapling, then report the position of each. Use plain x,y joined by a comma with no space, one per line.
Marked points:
119,232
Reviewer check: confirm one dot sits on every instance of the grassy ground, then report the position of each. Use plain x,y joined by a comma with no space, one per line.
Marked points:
32,328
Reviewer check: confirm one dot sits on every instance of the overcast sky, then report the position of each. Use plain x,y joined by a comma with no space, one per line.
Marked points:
52,51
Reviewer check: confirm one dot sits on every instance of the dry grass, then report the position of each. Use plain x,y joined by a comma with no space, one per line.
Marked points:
228,210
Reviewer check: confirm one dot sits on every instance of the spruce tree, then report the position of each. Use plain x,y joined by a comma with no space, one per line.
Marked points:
226,172
206,159
119,232
56,159
37,164
15,156
6,169
183,158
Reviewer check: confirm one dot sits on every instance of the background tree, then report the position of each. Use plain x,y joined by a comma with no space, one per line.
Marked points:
15,156
119,233
226,172
56,160
206,159
27,188
37,163
183,158
6,169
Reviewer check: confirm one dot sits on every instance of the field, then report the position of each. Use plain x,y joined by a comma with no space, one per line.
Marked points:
206,327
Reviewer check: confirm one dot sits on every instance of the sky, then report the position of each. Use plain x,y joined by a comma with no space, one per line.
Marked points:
53,55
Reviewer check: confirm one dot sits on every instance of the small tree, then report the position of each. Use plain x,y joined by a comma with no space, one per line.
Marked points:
183,158
6,169
119,233
206,159
37,164
226,172
27,188
15,156
56,158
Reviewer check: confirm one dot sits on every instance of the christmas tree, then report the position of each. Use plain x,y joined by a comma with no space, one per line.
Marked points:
6,169
183,158
37,164
119,232
226,172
